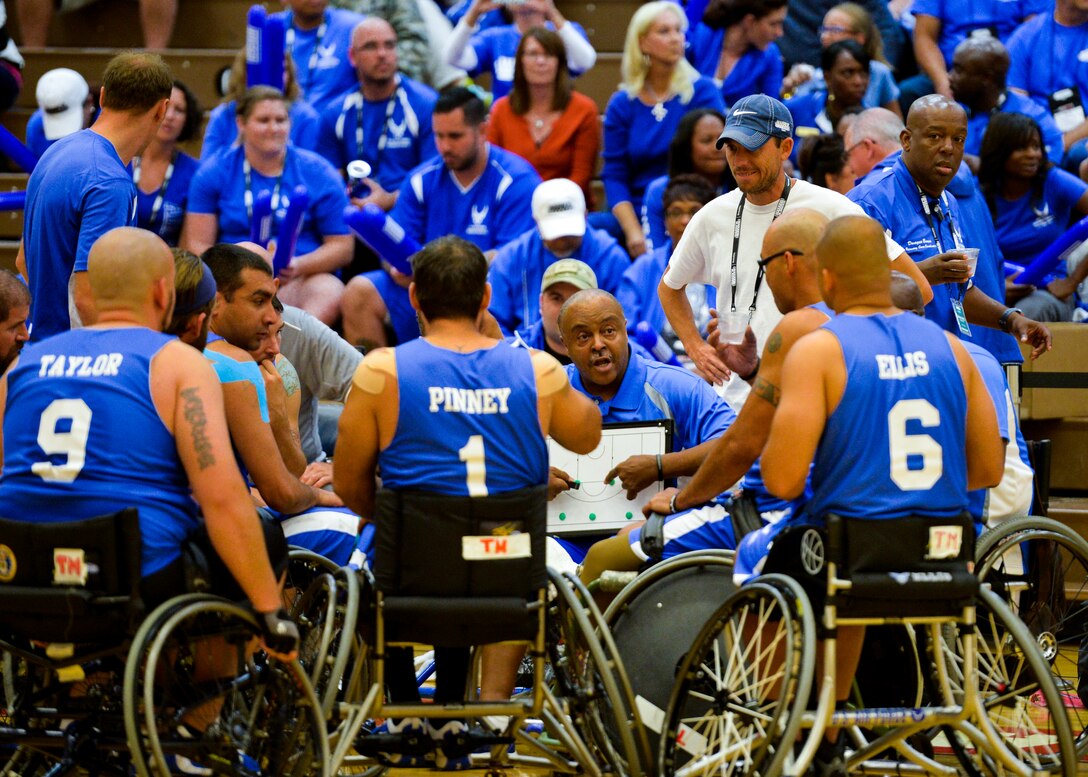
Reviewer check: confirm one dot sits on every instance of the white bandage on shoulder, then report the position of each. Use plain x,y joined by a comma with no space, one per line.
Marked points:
372,372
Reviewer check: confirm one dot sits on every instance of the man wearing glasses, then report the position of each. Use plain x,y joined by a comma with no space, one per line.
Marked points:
723,241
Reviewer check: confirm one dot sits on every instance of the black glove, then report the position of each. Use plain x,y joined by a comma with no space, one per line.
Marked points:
279,632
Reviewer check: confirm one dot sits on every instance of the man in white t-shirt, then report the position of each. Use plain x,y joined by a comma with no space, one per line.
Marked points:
722,243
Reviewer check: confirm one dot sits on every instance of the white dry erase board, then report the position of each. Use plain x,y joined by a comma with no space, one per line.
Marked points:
596,506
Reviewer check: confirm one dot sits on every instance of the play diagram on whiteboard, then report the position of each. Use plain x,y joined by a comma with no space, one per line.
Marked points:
597,506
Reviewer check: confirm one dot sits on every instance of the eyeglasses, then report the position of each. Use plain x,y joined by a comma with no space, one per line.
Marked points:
846,154
766,260
834,29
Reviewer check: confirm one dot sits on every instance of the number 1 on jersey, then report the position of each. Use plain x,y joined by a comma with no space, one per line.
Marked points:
475,469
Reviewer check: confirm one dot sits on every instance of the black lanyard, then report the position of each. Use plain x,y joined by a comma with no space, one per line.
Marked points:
248,196
781,206
957,241
156,205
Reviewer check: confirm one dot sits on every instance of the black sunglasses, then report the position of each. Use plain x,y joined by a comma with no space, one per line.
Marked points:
768,259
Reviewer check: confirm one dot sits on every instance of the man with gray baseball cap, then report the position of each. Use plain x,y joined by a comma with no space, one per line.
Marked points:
721,245
560,281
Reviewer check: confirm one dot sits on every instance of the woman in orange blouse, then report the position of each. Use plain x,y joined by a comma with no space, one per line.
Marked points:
543,120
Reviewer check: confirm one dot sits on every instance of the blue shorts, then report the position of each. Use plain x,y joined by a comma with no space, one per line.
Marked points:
709,527
754,547
401,314
332,532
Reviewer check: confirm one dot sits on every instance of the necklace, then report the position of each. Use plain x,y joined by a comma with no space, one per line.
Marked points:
659,111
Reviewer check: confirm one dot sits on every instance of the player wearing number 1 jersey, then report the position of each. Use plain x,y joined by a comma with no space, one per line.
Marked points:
455,412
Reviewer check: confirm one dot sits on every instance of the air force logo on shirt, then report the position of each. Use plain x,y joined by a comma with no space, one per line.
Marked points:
478,227
326,57
397,134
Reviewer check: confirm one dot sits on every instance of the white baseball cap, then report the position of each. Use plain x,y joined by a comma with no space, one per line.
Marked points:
61,94
559,208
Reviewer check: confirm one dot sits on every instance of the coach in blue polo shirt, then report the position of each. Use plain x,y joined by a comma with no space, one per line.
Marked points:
910,201
559,209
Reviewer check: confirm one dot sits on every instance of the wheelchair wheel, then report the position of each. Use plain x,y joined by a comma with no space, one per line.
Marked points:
326,613
195,666
666,606
590,677
1017,694
1040,568
737,703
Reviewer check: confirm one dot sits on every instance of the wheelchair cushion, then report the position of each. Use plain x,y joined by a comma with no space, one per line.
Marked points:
914,566
431,592
75,581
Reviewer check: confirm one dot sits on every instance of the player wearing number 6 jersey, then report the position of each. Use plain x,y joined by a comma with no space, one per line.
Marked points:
455,412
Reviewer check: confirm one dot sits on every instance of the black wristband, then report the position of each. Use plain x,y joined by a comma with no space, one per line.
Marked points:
1003,322
754,372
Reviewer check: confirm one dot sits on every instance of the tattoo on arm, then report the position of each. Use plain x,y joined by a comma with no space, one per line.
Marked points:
194,413
767,390
774,342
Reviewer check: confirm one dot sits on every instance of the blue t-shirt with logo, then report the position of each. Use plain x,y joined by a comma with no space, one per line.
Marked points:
1026,226
322,67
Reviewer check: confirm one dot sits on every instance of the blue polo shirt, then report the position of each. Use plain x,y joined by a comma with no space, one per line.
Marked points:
517,270
959,19
1012,102
222,129
1045,56
650,391
638,288
756,72
989,275
396,132
636,143
1025,227
322,67
219,188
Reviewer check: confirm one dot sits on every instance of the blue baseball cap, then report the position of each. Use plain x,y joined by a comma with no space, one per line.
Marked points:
754,120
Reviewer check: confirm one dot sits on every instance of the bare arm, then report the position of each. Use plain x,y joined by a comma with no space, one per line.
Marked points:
333,254
81,293
802,414
200,429
570,418
904,264
284,426
981,309
199,232
678,310
927,30
20,263
358,440
632,228
256,444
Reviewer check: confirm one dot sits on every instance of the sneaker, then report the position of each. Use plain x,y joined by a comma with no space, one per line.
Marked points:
182,765
412,748
454,746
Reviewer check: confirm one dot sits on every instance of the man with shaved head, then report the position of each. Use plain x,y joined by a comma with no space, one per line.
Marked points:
384,119
908,434
910,202
789,256
120,415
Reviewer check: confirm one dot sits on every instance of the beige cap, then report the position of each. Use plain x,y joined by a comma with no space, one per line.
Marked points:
572,271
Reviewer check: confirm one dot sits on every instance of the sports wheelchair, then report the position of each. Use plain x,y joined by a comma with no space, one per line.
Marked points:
461,572
1039,568
741,702
92,686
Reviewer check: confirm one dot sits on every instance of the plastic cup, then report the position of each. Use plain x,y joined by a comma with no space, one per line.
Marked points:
972,259
732,326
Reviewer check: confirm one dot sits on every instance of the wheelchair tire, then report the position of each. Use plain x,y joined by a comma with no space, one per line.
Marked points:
736,706
590,677
264,715
1053,606
326,614
1020,703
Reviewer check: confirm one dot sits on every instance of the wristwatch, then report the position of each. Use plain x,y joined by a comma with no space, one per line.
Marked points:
1003,322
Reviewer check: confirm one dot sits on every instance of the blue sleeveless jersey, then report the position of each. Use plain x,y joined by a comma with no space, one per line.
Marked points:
468,423
752,481
894,446
82,438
